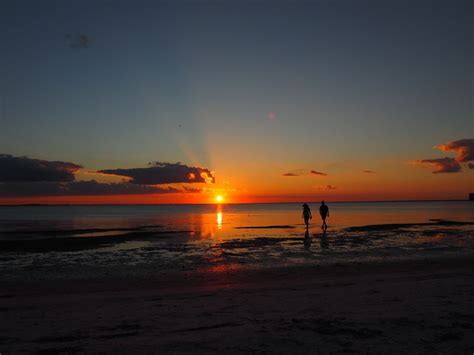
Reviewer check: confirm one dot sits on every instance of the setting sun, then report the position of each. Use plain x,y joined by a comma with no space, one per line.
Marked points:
219,198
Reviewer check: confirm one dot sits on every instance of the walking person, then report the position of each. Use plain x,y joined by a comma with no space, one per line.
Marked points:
306,214
324,212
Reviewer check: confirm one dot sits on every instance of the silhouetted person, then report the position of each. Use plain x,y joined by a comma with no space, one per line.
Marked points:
324,212
306,214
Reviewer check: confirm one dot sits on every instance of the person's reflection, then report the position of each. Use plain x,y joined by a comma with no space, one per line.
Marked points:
307,240
323,241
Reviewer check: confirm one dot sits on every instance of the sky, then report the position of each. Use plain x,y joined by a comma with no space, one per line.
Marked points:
258,101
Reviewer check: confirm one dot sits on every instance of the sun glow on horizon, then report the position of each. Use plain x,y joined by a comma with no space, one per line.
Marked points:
219,198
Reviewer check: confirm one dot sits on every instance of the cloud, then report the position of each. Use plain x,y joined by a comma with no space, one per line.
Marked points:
164,173
470,165
24,169
464,148
442,165
23,176
80,40
369,172
191,189
301,172
79,188
93,187
314,172
326,187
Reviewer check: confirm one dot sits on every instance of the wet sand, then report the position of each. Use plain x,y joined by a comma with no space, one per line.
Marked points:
422,306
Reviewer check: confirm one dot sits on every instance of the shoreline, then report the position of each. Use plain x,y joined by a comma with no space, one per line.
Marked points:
418,306
246,274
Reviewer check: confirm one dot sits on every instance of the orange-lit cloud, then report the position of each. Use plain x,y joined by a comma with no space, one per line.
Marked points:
441,165
464,148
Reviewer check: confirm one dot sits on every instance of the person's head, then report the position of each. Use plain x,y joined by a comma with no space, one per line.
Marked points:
322,202
305,205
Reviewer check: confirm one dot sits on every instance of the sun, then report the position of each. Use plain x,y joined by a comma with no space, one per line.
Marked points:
219,198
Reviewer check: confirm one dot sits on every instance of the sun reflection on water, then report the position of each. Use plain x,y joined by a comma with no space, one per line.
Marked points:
219,220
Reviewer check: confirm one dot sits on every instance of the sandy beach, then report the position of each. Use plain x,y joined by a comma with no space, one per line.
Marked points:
422,306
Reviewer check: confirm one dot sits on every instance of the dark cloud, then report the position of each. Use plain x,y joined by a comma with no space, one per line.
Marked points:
464,148
79,188
23,176
164,173
314,172
80,40
368,171
24,169
470,165
290,174
442,165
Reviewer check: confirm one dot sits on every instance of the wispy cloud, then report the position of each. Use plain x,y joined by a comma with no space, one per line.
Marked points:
369,171
301,172
314,172
326,187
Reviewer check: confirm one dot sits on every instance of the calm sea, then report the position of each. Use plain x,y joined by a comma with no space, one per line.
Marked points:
157,238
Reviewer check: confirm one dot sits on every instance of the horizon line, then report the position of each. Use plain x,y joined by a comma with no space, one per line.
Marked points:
231,203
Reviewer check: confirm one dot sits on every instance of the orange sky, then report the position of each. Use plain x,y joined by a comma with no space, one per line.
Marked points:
407,183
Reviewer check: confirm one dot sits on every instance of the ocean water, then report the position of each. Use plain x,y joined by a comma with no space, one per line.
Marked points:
83,241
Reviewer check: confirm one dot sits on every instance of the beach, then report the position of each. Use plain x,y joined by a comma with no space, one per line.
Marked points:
422,306
237,279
